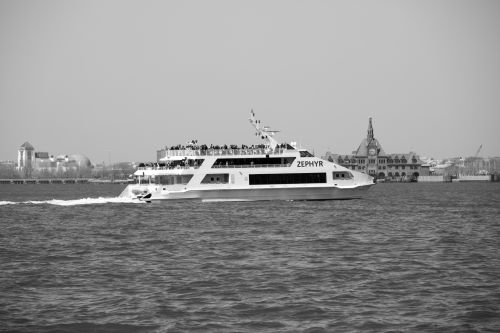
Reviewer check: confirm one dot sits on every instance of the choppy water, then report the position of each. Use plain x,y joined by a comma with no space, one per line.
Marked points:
408,258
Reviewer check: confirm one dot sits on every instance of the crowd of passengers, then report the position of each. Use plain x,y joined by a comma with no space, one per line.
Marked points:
171,164
193,145
152,165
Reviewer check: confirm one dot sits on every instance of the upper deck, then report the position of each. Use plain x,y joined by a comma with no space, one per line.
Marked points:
166,154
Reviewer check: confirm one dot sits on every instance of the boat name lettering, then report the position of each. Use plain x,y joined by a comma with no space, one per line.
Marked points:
303,164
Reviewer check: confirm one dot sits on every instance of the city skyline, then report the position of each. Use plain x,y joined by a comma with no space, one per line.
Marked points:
117,80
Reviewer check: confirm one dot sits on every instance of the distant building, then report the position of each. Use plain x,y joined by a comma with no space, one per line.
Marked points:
371,158
62,162
30,161
41,155
8,169
8,164
468,166
25,156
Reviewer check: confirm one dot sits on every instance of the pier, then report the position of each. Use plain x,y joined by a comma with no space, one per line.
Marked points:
63,181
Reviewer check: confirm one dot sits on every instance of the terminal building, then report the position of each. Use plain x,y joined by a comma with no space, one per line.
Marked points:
371,158
31,162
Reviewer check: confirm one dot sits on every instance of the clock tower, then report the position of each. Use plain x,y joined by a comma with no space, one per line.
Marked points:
372,151
371,143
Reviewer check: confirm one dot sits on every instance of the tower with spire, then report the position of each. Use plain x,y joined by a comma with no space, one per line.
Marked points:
370,130
369,146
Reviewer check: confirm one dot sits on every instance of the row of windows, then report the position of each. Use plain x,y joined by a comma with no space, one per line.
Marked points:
287,178
305,153
173,179
383,167
256,179
412,167
373,161
221,162
390,166
342,175
216,178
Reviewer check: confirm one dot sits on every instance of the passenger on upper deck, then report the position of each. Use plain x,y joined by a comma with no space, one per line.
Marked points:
194,146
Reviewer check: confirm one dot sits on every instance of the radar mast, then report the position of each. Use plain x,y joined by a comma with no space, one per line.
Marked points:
265,132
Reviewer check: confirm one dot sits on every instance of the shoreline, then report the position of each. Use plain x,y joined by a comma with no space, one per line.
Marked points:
55,181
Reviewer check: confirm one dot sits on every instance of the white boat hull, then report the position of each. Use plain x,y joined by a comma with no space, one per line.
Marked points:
253,194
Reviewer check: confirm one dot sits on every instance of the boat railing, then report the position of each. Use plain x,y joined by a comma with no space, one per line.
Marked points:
180,167
222,166
222,152
287,165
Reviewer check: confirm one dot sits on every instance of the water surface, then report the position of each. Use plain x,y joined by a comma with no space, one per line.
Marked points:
408,257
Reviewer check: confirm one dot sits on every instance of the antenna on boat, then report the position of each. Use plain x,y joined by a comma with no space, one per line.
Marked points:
266,133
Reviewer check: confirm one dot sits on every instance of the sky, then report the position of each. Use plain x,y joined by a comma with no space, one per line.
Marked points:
117,80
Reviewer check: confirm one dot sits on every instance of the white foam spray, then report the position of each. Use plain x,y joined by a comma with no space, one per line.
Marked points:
75,202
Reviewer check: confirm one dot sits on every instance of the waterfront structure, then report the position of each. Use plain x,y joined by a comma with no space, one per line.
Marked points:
25,156
120,170
370,158
270,171
62,162
8,164
41,163
8,169
468,166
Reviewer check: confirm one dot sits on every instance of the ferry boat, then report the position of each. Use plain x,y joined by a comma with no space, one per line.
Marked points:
270,171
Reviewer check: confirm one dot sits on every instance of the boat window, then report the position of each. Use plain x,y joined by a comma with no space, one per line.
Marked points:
305,153
219,178
342,175
287,178
261,161
173,179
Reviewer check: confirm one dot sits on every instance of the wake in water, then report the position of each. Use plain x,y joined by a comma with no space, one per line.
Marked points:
75,202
